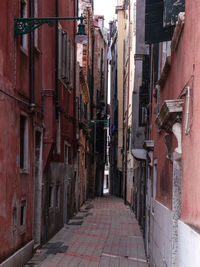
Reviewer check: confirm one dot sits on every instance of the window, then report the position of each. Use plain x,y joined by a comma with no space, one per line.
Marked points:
72,67
81,108
98,96
67,153
23,14
23,212
154,30
99,62
23,143
65,59
58,138
68,61
102,61
64,54
57,196
14,217
171,10
51,196
85,111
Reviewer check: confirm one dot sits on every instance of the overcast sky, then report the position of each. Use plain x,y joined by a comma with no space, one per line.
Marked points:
106,8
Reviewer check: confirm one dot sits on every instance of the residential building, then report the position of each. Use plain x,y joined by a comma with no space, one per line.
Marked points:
115,180
85,53
100,120
117,38
129,71
167,101
92,98
39,170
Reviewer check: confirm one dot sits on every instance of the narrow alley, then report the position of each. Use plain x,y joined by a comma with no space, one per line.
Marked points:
104,233
99,122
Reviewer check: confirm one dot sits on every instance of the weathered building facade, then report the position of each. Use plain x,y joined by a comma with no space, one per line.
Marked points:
164,132
114,174
176,120
85,60
92,58
170,226
36,83
117,100
47,155
100,101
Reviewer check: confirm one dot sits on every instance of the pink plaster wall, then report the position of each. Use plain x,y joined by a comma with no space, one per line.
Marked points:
14,78
185,65
191,144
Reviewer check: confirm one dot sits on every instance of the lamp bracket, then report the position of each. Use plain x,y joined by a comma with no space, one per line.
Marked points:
27,25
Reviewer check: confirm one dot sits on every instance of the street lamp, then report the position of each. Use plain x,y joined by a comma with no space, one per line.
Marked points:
81,36
27,25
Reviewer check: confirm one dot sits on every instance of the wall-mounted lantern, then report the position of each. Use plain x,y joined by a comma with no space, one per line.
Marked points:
27,25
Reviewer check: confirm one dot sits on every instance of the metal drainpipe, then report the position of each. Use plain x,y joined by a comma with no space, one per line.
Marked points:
92,82
187,91
187,130
74,89
32,63
56,63
127,112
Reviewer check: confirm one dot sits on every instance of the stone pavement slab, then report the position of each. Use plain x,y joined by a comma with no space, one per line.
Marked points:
104,233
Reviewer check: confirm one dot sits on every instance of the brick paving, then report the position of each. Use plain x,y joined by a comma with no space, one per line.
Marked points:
104,233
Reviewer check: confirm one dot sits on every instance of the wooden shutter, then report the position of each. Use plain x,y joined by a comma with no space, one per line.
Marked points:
68,60
59,53
154,30
171,10
72,67
64,54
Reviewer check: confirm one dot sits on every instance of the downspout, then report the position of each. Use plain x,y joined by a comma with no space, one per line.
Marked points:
187,130
127,112
56,63
187,92
74,78
32,63
92,82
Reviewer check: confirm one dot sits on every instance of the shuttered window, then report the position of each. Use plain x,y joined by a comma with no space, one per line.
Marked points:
65,59
160,19
171,10
154,30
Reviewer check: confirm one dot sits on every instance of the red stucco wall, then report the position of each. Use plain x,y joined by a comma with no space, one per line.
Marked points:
185,66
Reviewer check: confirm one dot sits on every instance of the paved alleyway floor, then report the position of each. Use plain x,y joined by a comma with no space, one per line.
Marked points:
104,233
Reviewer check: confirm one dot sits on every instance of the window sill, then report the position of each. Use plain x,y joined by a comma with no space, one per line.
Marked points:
24,171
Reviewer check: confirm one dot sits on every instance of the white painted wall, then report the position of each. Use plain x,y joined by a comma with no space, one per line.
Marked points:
160,236
188,246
